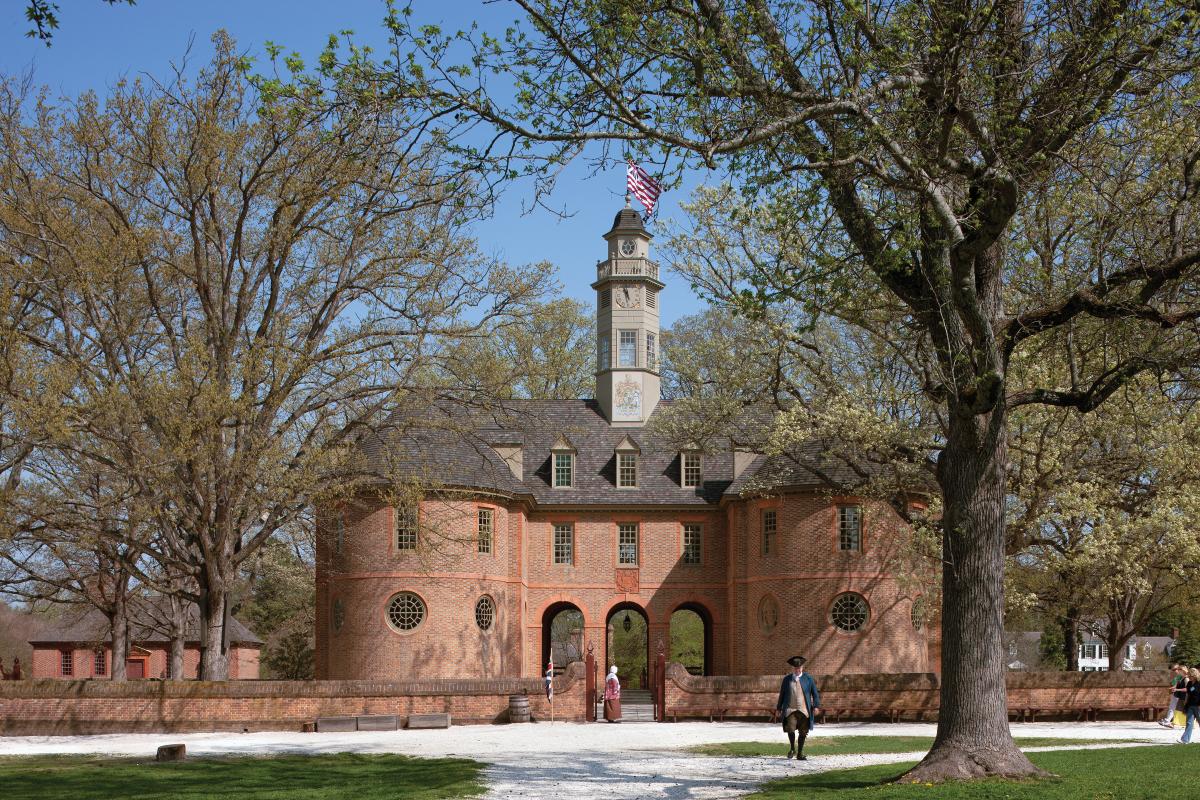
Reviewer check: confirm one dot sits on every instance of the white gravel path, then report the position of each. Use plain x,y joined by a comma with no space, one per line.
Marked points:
614,762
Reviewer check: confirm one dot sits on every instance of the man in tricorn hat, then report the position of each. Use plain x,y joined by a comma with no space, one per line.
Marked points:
799,702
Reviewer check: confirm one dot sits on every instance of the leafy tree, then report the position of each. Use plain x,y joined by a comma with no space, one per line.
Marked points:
1050,648
909,143
1107,506
281,609
544,355
43,15
232,288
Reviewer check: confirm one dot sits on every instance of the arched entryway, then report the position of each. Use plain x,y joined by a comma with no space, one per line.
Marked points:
562,635
691,638
628,645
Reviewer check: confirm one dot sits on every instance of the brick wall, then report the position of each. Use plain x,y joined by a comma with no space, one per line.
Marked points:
866,696
57,707
802,576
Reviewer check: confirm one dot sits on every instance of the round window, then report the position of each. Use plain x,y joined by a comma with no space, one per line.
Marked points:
849,612
405,611
485,612
918,613
768,614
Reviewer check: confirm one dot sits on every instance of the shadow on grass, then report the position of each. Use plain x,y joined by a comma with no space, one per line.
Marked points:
345,775
1144,773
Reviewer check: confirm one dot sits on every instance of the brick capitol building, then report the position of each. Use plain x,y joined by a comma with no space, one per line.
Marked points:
567,526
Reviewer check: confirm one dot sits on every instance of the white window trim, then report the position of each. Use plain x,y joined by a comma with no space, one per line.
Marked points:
402,512
491,530
570,526
637,544
699,544
683,469
620,481
620,335
554,469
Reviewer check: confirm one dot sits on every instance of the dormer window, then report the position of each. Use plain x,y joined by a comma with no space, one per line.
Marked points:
627,464
626,470
690,470
562,463
564,470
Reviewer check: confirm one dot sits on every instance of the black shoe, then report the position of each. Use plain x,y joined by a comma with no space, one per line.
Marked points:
791,752
801,757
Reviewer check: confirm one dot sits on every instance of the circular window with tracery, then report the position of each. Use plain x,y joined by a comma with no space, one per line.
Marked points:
768,614
849,612
918,613
405,611
485,612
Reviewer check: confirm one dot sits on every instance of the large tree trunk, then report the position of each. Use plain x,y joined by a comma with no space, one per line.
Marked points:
178,628
1071,639
119,627
973,738
1116,640
214,658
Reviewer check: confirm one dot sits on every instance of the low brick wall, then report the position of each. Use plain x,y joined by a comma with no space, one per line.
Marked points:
891,696
56,707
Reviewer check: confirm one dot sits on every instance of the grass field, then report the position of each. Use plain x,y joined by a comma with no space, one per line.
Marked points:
1135,773
344,776
846,745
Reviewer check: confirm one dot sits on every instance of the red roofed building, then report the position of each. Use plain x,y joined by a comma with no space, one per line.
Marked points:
80,648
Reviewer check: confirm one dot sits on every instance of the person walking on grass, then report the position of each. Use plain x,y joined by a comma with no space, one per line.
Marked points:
1178,694
799,702
1192,705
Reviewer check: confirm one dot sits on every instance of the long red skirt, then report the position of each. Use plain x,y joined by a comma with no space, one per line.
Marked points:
612,710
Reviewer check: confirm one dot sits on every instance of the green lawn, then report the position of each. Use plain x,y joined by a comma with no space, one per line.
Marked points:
1135,773
345,775
843,745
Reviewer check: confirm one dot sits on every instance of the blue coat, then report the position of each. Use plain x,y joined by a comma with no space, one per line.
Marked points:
811,696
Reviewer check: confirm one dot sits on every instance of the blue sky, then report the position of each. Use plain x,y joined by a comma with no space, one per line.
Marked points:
98,44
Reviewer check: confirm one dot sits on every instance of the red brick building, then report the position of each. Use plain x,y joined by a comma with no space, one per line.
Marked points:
80,648
544,507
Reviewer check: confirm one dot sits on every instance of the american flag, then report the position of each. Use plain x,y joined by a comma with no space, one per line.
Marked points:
643,187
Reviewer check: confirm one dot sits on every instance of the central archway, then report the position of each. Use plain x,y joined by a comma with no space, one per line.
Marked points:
628,644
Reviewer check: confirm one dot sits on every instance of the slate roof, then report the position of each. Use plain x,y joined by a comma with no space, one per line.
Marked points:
628,220
439,449
444,445
144,626
810,466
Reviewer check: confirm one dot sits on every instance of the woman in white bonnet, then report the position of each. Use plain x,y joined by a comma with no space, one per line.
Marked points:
612,696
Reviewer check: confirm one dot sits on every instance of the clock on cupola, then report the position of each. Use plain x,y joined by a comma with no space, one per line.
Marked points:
628,384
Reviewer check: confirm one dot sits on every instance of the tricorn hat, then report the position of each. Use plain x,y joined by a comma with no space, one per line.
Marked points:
797,661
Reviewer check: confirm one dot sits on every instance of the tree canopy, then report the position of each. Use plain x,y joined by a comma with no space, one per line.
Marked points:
1006,172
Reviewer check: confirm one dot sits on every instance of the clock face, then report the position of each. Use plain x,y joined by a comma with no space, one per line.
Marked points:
626,296
628,248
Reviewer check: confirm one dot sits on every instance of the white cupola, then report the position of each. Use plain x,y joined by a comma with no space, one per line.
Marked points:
628,382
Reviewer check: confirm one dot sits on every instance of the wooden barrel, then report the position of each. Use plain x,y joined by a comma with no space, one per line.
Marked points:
518,708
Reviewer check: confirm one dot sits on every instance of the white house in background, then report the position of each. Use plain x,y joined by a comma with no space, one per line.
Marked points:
1023,651
1141,652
